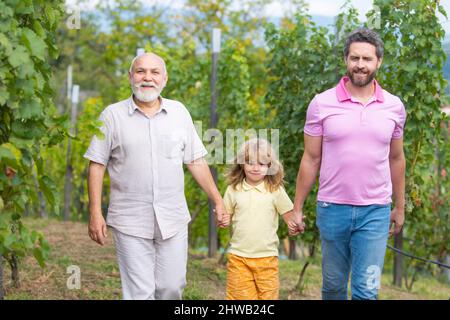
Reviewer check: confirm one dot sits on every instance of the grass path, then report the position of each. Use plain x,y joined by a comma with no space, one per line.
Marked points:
206,277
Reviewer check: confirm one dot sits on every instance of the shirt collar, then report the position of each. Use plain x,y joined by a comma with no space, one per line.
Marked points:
343,95
260,186
132,105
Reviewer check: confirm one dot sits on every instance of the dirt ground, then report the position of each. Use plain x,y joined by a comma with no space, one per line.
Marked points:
206,277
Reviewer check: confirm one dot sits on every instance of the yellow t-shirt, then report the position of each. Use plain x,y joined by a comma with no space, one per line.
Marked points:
254,220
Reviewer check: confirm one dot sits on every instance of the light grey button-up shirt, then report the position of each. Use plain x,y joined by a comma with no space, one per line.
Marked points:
144,156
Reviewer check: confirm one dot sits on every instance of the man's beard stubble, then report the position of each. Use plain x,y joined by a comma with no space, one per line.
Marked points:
361,83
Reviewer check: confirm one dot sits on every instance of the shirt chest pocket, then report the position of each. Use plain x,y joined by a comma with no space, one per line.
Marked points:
172,147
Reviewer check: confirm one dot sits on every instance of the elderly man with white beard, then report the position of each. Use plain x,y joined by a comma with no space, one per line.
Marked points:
147,138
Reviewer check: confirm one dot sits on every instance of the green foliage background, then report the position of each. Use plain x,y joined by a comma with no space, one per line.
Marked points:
28,121
268,73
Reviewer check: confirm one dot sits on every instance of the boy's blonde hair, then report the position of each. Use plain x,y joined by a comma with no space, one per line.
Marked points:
257,150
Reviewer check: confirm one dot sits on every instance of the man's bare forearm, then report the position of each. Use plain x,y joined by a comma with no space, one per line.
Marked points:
397,167
306,178
201,173
95,183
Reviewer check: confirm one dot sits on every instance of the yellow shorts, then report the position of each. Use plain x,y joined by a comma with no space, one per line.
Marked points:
252,278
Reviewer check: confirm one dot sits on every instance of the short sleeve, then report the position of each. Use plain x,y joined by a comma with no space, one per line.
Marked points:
313,125
283,203
194,148
228,199
100,148
400,123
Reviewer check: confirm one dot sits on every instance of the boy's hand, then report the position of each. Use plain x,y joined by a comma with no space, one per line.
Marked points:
294,221
226,220
222,217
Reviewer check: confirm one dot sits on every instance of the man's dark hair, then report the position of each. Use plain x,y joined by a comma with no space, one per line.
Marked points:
364,35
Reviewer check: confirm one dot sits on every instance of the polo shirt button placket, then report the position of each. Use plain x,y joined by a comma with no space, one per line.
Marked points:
364,111
363,116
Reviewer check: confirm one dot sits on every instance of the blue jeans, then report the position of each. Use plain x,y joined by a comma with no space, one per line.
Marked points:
353,239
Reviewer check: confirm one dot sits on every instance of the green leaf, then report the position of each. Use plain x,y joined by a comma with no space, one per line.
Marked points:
442,11
5,42
7,11
9,240
27,71
28,129
51,14
40,82
38,29
26,86
34,43
48,188
18,56
4,95
30,109
411,67
7,152
26,238
25,7
37,252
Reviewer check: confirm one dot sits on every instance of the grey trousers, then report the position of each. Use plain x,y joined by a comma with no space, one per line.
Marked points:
152,268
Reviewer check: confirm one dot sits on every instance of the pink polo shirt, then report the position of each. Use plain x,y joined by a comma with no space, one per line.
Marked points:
355,145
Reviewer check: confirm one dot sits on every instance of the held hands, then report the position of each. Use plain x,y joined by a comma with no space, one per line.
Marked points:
397,220
294,221
97,228
222,217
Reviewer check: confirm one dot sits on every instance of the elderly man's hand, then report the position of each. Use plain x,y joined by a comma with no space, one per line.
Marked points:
97,228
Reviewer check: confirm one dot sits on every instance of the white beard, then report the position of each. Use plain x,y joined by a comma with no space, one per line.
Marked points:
146,96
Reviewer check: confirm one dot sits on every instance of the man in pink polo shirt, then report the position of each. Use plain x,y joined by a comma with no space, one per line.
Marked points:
354,135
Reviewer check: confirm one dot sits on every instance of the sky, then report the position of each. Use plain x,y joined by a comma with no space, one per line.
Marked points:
325,8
